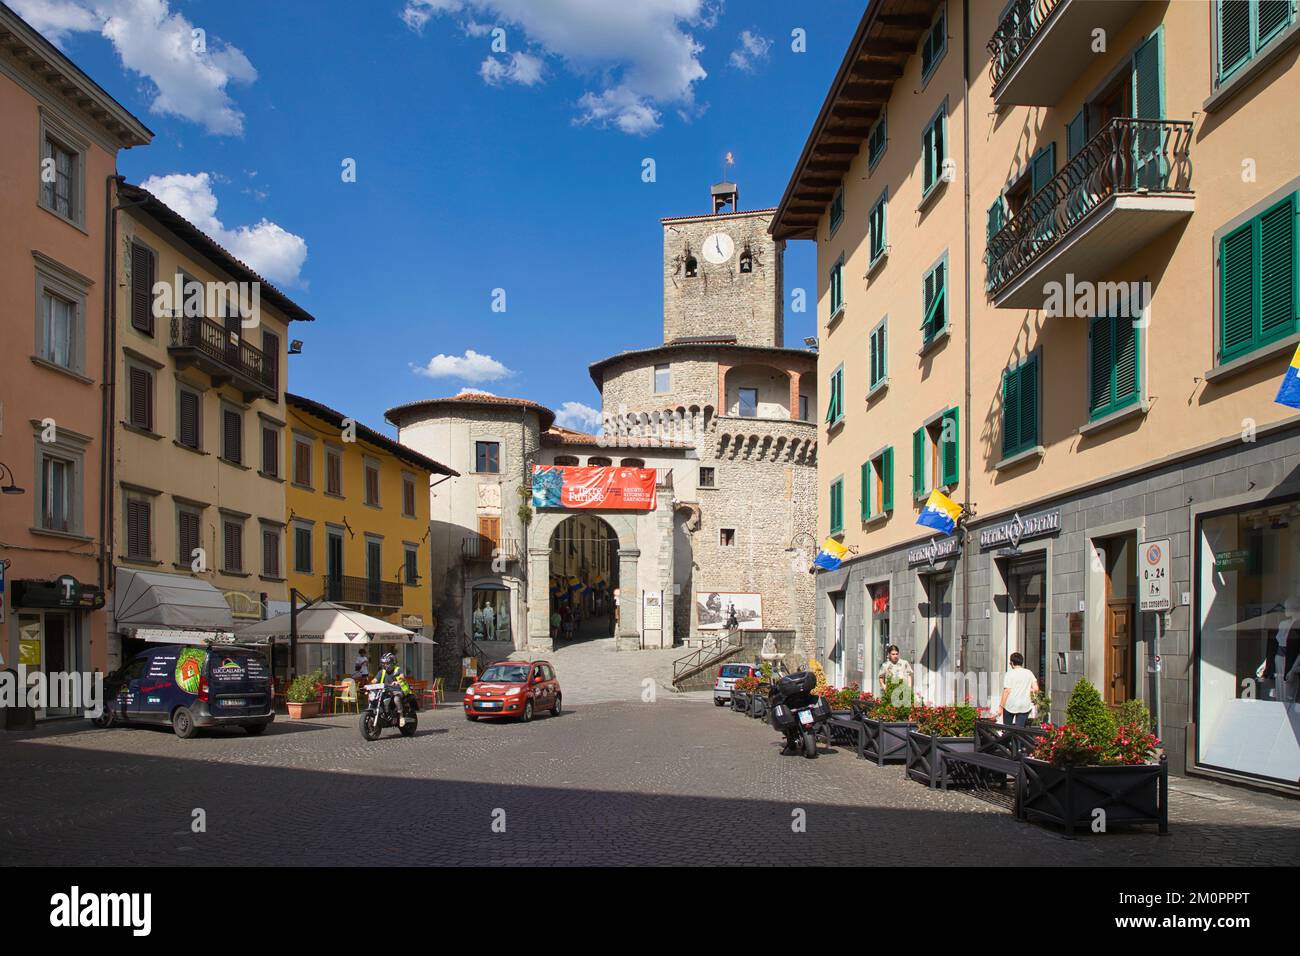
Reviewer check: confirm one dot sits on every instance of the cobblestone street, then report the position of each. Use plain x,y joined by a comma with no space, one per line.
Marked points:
623,782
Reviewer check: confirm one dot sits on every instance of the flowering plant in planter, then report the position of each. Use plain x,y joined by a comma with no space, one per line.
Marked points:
747,685
896,704
950,721
1090,737
841,698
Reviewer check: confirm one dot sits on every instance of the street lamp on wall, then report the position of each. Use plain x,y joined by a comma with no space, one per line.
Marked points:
11,488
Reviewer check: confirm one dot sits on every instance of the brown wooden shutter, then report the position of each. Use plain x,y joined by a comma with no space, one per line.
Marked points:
189,536
408,496
270,452
372,485
332,483
233,442
137,528
271,359
234,546
270,553
142,279
189,414
141,398
301,463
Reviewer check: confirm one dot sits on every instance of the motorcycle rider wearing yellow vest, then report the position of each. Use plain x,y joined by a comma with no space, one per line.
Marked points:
390,673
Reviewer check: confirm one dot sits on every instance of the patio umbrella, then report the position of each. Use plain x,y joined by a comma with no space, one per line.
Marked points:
329,623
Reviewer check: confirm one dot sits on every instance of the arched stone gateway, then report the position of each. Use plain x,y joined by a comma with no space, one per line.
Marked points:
539,570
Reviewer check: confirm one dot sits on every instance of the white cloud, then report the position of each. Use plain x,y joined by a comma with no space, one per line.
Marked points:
522,68
476,391
265,247
157,44
470,367
579,417
753,48
643,55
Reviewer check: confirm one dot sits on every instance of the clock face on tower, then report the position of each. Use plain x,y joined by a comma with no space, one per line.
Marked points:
718,248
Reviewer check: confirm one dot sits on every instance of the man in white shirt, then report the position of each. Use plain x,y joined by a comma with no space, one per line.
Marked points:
895,668
1018,689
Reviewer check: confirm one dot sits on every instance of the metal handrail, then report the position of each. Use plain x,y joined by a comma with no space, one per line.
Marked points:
1127,156
476,547
224,346
705,655
347,589
1022,22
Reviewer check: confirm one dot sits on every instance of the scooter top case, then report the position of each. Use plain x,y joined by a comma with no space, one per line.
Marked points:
792,685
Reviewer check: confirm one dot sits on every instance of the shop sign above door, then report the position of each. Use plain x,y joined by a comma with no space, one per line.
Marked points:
1021,529
64,591
935,550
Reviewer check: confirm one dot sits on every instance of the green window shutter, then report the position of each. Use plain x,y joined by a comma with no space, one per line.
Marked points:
1148,103
887,479
927,158
1028,417
876,143
918,463
866,490
1234,35
833,404
837,505
1277,270
934,302
1125,338
1010,412
1042,168
1236,292
951,449
1100,351
1273,15
1076,133
997,218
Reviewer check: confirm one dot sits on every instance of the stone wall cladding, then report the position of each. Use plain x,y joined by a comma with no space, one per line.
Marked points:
1160,499
719,299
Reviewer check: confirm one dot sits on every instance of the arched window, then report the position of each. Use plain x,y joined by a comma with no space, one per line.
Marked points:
692,267
632,463
566,460
599,461
746,261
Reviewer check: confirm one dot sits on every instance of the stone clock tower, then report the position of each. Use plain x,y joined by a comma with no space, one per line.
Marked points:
723,274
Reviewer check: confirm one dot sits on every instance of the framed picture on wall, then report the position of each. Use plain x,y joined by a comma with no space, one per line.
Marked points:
713,609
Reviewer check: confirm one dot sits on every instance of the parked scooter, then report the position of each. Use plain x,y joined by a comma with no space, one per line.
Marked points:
797,713
386,706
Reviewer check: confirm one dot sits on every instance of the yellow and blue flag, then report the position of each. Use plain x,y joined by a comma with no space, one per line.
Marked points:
1289,393
830,556
940,513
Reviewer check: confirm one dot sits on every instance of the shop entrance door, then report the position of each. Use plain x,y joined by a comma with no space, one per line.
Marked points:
836,655
57,657
1027,620
930,683
1121,581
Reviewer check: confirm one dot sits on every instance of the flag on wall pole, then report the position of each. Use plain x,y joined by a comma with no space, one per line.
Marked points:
1289,392
830,556
940,512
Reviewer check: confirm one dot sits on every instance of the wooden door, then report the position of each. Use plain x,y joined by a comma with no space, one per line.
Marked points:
1119,651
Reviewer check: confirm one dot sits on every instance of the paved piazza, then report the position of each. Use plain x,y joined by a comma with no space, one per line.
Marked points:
613,781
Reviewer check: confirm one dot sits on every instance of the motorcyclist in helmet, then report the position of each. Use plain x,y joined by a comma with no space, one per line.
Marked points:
391,676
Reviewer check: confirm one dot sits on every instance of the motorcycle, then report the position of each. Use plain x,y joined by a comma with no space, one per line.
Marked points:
796,713
386,704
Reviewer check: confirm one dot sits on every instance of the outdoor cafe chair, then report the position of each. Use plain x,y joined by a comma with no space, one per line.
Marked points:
345,695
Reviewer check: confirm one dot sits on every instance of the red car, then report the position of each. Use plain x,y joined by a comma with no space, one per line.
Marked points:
514,689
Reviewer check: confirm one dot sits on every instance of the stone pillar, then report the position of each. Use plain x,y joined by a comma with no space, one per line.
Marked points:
794,395
720,408
539,600
629,601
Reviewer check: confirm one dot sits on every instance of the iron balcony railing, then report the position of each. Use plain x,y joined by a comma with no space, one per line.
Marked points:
1022,21
1138,156
706,656
225,349
476,547
367,592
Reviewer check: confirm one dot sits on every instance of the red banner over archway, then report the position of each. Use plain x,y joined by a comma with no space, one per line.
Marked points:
627,489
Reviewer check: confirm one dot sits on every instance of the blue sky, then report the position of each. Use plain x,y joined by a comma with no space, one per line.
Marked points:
476,169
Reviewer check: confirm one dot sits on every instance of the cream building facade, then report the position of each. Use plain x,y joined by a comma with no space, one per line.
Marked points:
1067,297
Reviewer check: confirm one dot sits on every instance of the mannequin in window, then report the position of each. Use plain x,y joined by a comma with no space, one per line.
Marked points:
1283,661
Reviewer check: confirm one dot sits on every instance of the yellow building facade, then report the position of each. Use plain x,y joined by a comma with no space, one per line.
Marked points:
357,515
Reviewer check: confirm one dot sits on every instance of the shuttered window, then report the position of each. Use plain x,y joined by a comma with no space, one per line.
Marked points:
271,359
837,506
934,301
138,540
271,451
1245,27
878,355
1113,365
1020,408
835,406
270,552
189,409
878,484
949,447
877,224
412,566
934,44
302,550
1042,168
233,539
1076,133
408,496
876,141
837,210
837,288
141,398
142,280
232,436
918,463
333,472
372,485
187,533
932,152
1258,296
301,463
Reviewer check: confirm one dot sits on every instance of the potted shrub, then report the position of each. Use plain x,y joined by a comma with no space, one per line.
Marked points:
303,696
887,723
758,694
740,692
938,731
1094,771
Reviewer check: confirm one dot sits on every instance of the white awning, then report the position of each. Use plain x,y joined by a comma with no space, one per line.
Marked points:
161,635
156,600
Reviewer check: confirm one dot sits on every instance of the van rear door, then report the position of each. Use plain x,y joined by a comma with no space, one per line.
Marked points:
239,683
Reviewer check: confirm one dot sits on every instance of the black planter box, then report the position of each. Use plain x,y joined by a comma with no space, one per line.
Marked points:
740,701
1069,796
886,740
925,753
758,705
